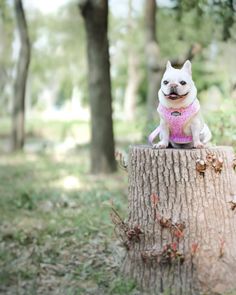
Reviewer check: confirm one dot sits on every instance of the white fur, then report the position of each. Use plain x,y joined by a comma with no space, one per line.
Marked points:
196,126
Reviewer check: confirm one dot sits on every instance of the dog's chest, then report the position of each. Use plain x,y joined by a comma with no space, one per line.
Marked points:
178,120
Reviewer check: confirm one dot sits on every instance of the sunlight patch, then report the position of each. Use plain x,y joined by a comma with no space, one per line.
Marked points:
71,182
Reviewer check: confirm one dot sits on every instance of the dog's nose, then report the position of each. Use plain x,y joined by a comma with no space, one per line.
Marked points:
173,85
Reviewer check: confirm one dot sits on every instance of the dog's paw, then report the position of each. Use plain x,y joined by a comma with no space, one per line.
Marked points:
198,145
160,145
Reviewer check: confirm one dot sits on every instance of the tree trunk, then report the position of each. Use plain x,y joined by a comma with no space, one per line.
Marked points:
95,14
181,237
134,77
18,113
154,71
131,92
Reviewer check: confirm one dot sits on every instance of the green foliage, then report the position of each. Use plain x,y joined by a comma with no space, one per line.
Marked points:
122,286
58,51
178,27
52,219
65,92
58,63
204,77
220,12
126,35
55,219
223,125
6,51
25,201
180,35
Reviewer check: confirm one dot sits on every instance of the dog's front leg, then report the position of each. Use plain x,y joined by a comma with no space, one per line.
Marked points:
196,129
164,136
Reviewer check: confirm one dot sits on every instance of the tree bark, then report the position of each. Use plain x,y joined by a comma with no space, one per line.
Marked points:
131,91
134,77
186,237
154,72
18,113
95,14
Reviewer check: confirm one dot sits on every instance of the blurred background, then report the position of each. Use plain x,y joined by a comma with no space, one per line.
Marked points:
79,82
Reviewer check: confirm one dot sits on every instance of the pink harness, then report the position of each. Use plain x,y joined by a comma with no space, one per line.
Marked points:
177,119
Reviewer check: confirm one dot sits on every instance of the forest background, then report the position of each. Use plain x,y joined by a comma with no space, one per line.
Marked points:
56,235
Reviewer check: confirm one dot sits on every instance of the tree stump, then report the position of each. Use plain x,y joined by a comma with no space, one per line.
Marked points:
181,229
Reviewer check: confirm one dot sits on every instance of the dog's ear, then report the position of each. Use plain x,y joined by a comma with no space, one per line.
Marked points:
187,67
168,65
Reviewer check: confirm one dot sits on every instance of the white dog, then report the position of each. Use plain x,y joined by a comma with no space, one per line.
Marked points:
181,124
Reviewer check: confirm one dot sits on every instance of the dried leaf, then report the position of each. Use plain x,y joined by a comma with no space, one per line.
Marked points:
233,205
234,163
210,157
155,199
194,248
218,164
201,166
174,246
164,222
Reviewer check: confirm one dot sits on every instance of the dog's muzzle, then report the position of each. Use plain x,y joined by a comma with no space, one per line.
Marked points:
173,95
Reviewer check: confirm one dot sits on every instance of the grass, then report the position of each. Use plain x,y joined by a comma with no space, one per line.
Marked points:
58,226
56,130
56,236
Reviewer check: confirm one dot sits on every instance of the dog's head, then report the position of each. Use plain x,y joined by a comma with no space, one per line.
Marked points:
177,87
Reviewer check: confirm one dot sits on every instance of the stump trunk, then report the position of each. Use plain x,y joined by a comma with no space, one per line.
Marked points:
188,225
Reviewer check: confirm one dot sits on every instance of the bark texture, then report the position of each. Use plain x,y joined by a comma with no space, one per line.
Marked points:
188,240
95,14
18,113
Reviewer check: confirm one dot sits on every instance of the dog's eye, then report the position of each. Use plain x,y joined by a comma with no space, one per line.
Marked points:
183,82
165,82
